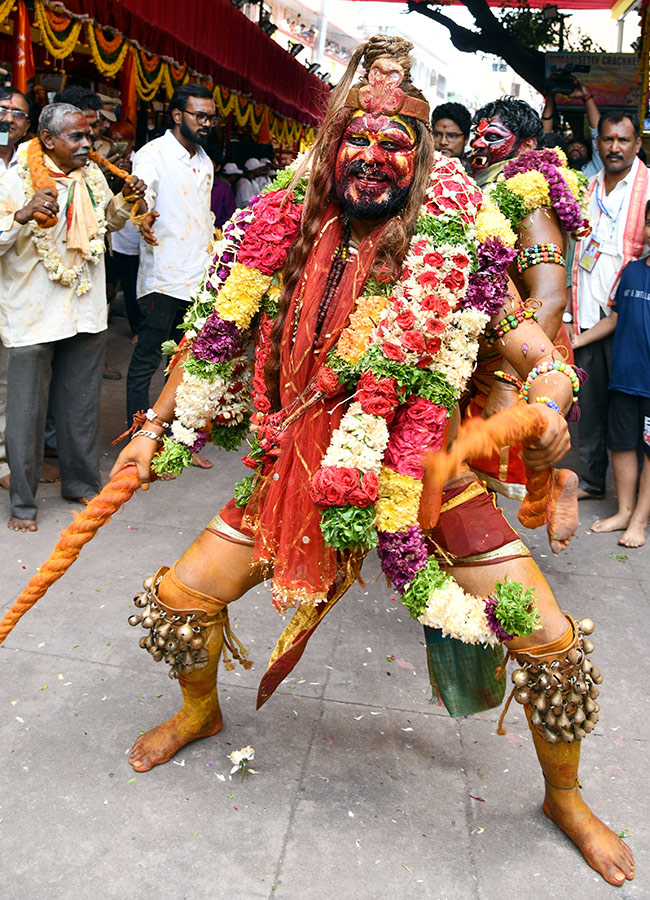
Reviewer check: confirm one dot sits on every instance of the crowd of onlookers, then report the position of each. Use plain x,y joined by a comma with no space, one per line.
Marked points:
53,320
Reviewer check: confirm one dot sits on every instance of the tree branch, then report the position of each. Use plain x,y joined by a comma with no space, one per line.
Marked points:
491,37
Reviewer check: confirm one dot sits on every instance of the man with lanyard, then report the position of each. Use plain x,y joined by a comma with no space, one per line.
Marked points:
618,195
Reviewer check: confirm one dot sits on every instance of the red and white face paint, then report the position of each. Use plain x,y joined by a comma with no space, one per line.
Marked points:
375,165
493,142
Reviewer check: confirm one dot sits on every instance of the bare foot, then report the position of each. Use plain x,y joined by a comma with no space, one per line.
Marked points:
49,474
563,509
160,744
619,522
634,535
4,482
201,462
603,850
15,524
585,495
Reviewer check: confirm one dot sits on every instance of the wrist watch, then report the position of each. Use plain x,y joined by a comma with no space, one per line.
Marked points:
567,318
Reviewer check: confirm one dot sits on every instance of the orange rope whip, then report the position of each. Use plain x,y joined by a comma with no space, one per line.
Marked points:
482,437
84,527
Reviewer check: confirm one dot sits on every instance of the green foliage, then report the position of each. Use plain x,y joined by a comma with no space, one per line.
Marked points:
429,578
207,370
349,527
529,27
169,348
230,436
511,205
435,387
172,459
348,373
376,288
515,608
244,490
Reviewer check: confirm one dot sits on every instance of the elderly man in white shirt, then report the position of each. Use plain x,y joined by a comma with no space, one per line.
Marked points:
55,207
617,198
14,116
177,232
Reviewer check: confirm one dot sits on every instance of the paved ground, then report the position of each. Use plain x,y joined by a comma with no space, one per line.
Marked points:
364,790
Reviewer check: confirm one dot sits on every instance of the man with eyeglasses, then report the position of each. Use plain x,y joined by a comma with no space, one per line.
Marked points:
451,123
176,232
14,112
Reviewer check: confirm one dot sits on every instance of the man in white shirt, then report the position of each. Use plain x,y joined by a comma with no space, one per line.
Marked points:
14,116
55,207
618,196
177,232
246,186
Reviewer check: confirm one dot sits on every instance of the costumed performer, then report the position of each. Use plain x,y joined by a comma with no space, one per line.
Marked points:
389,257
545,202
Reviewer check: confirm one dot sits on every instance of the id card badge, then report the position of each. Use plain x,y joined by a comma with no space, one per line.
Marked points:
590,255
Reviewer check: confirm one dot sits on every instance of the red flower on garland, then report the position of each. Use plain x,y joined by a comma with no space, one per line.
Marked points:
435,259
437,305
328,382
428,278
413,340
405,319
393,351
333,486
377,396
455,280
271,233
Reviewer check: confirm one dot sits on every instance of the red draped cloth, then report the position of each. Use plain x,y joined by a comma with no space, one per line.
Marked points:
285,520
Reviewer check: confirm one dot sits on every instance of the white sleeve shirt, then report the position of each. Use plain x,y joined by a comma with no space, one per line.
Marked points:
178,188
595,288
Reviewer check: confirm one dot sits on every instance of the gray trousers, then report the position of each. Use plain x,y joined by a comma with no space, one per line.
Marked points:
4,468
70,372
596,359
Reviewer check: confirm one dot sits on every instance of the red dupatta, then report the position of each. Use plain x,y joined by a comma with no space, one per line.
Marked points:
287,523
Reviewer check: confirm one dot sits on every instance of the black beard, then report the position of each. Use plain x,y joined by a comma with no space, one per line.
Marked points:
372,209
189,135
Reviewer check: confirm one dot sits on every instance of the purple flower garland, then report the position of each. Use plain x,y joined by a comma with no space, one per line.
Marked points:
487,288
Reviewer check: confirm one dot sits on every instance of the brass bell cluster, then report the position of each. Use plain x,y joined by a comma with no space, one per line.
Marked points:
179,640
562,692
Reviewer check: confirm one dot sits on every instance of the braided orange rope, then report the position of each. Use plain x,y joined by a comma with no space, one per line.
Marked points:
84,527
42,177
483,437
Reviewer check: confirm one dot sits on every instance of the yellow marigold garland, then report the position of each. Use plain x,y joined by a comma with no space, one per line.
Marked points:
47,20
491,223
240,297
355,339
532,187
399,500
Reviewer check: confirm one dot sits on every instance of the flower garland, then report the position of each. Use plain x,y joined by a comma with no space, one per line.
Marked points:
43,238
541,178
406,355
213,399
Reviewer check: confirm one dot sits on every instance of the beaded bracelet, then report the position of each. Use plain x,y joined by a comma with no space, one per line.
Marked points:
547,367
150,434
539,253
550,403
507,378
511,321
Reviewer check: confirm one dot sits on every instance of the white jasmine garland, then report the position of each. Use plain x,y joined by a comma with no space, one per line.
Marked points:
43,238
199,400
459,615
359,442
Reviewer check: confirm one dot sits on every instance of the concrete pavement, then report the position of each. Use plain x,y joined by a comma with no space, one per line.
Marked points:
364,790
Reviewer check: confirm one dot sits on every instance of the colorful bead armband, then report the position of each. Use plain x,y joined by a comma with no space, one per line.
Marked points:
550,403
547,367
539,253
528,310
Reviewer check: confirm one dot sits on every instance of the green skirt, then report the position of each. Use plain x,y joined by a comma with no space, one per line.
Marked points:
462,675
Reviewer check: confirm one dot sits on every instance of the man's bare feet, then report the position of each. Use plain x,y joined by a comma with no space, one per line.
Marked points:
4,482
201,462
618,522
603,850
586,495
634,535
15,524
49,474
563,509
161,743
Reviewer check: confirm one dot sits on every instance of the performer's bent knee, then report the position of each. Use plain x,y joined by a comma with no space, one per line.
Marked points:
218,567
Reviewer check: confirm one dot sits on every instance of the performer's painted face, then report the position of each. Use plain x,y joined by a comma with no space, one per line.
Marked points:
493,142
375,165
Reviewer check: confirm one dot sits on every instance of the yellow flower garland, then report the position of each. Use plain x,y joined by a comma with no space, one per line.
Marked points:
55,47
491,223
110,70
399,500
532,187
240,297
